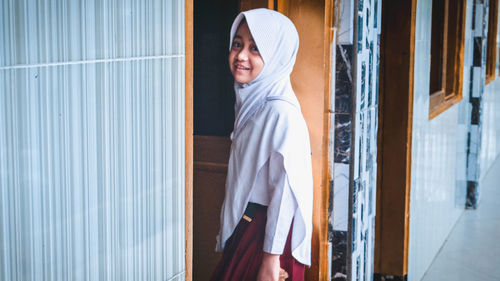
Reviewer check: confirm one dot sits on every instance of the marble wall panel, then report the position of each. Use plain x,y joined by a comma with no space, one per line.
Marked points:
477,81
341,108
341,196
485,119
448,150
356,119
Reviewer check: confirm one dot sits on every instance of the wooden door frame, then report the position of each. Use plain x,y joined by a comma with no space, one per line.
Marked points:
320,263
316,111
397,56
188,138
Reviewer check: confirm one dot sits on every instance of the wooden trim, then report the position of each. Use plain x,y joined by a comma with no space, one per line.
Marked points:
491,51
311,82
440,103
211,154
445,61
211,149
188,138
395,136
409,135
246,5
210,167
439,41
456,35
211,157
324,244
283,6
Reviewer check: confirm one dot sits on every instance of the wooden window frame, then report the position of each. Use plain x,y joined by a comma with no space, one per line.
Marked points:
491,49
450,71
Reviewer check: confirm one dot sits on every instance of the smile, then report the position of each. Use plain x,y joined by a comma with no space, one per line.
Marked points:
241,67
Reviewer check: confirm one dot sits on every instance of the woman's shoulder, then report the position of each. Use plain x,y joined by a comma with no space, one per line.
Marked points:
283,114
283,108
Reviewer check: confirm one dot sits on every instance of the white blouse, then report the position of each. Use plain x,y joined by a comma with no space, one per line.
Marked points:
273,190
277,133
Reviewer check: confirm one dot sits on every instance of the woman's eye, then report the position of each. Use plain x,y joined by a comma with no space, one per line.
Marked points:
236,44
254,48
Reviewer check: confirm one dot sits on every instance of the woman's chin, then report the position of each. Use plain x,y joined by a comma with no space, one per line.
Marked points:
242,80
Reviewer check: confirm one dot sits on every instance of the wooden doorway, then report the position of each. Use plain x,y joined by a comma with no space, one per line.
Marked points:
214,116
394,138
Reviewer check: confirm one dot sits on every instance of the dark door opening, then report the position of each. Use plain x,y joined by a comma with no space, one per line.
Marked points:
213,115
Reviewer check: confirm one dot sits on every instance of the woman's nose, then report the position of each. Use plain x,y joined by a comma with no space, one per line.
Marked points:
242,54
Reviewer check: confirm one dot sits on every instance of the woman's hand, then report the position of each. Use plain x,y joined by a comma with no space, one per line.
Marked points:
270,268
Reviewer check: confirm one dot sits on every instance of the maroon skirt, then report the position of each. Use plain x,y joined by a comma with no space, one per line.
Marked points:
243,253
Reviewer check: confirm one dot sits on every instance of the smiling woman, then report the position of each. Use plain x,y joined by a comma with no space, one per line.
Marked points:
214,100
245,61
269,181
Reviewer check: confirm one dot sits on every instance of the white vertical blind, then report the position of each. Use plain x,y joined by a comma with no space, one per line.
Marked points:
91,140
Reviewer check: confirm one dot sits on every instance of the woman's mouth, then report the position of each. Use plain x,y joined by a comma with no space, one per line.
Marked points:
241,67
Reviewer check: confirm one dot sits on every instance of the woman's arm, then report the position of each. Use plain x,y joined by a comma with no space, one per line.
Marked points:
280,213
281,209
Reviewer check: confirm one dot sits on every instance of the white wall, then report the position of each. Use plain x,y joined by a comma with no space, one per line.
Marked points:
438,171
490,127
91,140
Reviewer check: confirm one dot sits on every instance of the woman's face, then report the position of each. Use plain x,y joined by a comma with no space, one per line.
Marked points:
245,61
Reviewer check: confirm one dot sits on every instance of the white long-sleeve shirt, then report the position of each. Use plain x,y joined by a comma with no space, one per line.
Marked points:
279,128
273,190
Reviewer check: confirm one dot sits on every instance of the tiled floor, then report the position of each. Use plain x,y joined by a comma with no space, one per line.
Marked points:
472,250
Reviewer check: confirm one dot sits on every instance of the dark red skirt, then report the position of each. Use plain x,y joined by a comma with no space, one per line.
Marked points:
243,253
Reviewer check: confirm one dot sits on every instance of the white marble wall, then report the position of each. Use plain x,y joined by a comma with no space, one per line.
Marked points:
490,121
355,119
439,149
490,129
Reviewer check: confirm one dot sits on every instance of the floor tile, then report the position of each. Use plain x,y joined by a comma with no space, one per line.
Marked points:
472,249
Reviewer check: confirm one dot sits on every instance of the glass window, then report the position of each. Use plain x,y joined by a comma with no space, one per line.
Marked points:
447,54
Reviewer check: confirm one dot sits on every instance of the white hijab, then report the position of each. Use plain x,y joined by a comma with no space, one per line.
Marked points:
269,120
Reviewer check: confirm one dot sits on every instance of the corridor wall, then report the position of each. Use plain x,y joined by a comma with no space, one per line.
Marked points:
439,152
483,137
451,148
92,165
490,131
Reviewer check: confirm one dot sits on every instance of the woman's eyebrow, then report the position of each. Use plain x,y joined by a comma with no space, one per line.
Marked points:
239,37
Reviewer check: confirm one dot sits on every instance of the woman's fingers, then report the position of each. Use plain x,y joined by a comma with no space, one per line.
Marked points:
270,268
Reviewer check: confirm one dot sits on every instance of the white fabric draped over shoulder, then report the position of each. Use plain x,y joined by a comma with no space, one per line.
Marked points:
269,120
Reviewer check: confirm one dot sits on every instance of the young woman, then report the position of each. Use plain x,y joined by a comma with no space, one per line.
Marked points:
267,211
